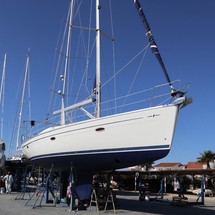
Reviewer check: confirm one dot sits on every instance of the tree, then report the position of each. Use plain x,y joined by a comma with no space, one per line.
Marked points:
207,156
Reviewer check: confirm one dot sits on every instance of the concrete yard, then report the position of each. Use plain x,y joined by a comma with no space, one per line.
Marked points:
127,203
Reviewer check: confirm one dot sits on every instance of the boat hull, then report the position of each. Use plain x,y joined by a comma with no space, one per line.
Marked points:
106,143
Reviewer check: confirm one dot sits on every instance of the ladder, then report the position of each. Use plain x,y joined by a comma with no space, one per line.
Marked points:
110,199
94,199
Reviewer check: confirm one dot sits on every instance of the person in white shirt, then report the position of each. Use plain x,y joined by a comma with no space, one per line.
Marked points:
8,179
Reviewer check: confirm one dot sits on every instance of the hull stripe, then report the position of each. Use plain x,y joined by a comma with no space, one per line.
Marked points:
101,151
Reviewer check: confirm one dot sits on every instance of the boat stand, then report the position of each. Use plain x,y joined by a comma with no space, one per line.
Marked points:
25,183
179,200
162,188
201,196
182,200
40,192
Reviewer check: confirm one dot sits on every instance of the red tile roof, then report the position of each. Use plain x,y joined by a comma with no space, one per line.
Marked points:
195,165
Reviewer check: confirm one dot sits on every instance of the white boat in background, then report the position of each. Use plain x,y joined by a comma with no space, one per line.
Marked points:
14,152
105,142
2,88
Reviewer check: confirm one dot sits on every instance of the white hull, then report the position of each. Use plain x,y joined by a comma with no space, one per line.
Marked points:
106,143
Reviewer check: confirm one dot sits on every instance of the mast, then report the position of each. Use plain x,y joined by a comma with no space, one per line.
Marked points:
152,42
22,101
2,92
98,67
66,66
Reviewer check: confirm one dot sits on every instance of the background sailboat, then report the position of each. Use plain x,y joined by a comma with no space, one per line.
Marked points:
23,104
2,87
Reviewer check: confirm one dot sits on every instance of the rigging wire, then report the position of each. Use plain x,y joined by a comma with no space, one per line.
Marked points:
113,52
135,77
129,62
89,36
87,53
52,100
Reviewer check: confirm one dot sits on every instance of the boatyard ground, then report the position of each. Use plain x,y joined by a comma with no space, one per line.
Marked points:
127,203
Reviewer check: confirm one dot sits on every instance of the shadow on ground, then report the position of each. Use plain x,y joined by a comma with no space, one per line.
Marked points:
126,201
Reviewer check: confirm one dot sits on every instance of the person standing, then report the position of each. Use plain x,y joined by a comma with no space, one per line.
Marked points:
8,179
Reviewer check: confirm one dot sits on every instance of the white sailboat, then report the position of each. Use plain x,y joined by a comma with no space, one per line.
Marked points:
105,142
14,151
2,87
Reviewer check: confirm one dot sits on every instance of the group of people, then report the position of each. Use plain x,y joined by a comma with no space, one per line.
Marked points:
7,181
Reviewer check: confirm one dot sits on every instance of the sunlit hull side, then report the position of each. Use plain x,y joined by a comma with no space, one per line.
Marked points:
106,143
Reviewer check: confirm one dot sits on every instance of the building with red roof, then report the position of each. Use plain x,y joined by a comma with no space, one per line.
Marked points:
196,165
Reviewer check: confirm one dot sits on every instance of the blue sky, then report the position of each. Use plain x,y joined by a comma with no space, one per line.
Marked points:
184,31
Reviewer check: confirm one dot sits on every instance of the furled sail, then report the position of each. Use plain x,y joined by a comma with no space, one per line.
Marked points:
152,42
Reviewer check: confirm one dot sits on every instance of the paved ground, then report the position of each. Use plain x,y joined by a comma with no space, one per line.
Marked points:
127,204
